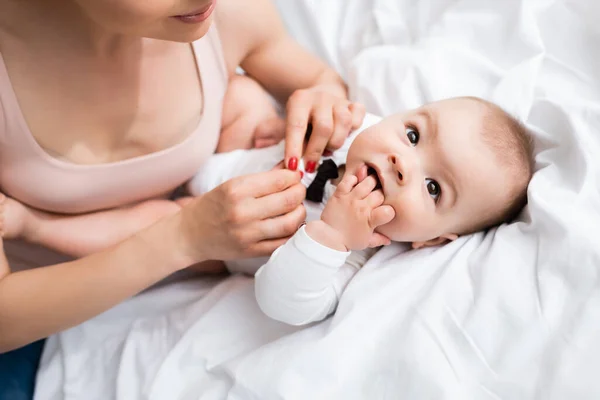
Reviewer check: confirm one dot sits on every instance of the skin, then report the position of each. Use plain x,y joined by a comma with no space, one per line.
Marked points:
124,94
247,113
450,180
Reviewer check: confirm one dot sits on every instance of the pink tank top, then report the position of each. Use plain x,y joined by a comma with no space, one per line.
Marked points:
29,174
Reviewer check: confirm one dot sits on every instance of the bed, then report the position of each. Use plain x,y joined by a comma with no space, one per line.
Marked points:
512,313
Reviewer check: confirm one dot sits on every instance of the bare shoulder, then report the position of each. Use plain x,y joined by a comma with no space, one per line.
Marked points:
244,26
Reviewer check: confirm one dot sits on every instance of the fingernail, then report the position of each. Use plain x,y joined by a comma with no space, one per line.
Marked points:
301,174
327,153
311,166
293,163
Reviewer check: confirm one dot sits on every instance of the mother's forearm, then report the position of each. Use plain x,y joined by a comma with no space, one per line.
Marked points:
85,234
39,302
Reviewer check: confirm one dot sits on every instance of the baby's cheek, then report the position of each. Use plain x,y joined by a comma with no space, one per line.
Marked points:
409,224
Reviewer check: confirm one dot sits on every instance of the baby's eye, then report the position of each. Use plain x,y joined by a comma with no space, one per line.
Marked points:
413,135
433,188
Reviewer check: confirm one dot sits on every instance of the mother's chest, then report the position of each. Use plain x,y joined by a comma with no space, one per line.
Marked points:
93,117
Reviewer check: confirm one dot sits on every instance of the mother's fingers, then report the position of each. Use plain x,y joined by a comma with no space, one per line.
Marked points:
342,118
281,226
262,184
358,114
278,203
322,128
266,247
298,111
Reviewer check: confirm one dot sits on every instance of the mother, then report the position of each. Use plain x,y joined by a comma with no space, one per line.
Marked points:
105,103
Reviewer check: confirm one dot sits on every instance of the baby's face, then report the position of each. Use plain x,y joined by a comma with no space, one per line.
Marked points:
434,168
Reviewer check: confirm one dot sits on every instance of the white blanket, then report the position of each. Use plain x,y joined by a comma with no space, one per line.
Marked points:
510,314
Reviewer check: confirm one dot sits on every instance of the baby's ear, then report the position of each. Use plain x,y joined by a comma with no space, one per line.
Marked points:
442,239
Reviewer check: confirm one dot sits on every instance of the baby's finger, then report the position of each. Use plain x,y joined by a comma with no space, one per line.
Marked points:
346,184
322,129
362,173
358,114
381,216
298,112
342,125
364,188
377,239
375,198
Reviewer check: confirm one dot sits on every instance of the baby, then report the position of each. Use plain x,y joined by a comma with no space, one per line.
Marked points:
426,177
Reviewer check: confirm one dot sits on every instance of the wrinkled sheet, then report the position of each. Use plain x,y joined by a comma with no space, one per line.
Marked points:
510,314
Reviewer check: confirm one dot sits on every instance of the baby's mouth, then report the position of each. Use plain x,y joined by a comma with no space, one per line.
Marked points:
373,172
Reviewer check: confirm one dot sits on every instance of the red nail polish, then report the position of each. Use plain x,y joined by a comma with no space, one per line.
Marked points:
301,174
327,153
311,166
293,163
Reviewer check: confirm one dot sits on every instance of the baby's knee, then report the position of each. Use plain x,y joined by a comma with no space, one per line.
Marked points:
242,87
245,96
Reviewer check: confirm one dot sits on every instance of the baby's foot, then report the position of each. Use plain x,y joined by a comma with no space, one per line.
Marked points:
13,218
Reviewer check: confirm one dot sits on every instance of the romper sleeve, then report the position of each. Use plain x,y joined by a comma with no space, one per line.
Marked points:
302,281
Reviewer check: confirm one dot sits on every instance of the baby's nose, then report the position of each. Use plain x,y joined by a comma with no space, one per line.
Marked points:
401,168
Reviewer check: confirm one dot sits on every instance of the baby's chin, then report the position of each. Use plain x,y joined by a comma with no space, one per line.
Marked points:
396,233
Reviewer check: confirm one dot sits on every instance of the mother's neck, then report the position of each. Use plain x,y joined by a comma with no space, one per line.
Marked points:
61,25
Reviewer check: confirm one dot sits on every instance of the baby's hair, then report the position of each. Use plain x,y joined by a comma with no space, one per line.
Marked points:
512,144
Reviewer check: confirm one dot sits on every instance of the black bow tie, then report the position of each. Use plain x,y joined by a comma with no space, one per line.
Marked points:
327,170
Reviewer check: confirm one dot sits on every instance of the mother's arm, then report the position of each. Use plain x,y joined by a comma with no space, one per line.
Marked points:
82,234
254,37
245,217
38,302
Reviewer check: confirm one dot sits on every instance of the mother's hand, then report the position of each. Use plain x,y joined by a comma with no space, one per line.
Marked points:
247,216
332,118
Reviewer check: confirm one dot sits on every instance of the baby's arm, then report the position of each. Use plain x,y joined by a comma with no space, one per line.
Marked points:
81,235
302,281
304,278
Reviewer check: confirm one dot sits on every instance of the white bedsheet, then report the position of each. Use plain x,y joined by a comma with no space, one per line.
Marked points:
511,314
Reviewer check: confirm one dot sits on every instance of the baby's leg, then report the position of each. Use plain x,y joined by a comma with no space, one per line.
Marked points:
249,117
81,235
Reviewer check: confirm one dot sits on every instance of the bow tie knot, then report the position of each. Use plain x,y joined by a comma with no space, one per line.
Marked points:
327,170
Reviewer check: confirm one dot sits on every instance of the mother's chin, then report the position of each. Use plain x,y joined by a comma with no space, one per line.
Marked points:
173,30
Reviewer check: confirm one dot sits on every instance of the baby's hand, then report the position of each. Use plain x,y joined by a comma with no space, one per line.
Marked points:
355,210
332,118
